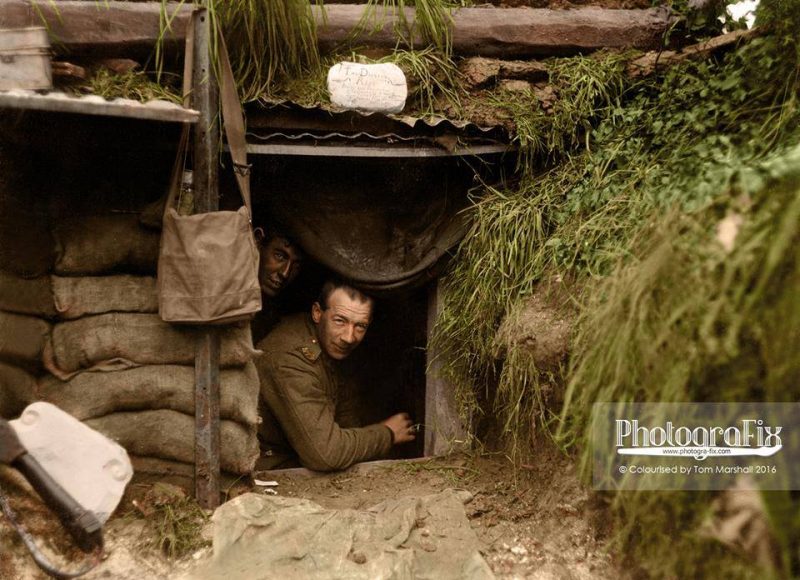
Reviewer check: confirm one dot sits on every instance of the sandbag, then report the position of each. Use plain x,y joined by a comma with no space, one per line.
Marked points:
34,296
78,296
170,435
17,390
22,339
105,243
94,394
26,242
116,341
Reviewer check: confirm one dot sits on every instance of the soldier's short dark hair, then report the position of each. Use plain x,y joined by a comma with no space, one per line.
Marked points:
272,229
333,284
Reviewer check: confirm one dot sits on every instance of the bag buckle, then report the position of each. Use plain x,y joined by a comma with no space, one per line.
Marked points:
242,169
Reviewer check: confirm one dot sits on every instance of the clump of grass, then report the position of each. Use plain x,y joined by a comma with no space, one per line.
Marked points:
434,80
309,89
175,520
135,85
584,89
267,40
432,22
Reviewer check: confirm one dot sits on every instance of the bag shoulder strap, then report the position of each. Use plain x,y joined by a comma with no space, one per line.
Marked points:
233,120
183,142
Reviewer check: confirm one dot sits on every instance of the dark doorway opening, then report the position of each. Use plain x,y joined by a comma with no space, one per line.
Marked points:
391,200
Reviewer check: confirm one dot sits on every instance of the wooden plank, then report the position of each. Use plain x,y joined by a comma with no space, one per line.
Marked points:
444,431
510,32
652,61
79,27
93,105
206,192
207,441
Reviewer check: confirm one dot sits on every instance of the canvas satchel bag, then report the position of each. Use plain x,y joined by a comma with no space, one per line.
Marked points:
208,262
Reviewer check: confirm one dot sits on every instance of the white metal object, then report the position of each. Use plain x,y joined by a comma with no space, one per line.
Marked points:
368,87
25,59
89,466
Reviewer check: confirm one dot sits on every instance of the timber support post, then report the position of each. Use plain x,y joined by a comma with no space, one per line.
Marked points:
205,96
444,430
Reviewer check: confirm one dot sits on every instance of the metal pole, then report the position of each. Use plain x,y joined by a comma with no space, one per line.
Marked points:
206,190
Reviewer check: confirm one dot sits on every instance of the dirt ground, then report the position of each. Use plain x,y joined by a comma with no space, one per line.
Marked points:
533,523
536,522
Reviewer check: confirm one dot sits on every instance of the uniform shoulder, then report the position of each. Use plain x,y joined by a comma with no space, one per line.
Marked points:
293,334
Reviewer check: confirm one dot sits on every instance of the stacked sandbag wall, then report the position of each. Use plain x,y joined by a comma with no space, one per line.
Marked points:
26,299
114,364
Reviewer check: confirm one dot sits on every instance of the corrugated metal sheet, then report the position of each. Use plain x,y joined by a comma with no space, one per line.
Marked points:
409,120
285,125
393,151
60,102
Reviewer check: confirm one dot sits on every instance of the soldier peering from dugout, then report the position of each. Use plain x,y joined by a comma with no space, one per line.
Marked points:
307,407
280,261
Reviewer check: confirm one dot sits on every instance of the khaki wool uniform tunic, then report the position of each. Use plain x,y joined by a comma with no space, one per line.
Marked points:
306,409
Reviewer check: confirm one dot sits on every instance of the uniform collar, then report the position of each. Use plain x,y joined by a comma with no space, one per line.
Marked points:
310,349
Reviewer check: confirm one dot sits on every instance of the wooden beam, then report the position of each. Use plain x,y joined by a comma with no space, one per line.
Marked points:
103,27
649,63
444,431
206,198
98,27
509,32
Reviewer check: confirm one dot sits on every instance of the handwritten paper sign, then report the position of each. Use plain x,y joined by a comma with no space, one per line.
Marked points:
377,88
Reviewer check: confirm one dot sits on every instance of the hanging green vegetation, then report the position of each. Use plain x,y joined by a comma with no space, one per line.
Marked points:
707,312
430,24
267,40
637,206
549,123
666,142
433,80
273,43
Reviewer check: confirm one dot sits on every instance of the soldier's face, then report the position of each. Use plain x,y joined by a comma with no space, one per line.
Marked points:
279,265
343,325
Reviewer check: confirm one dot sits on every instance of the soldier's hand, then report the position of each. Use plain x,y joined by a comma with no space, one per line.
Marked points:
402,428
